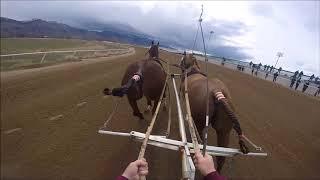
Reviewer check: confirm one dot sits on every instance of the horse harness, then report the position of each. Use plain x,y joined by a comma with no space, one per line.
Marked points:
156,59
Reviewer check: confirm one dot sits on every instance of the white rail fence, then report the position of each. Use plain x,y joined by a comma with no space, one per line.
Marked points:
21,60
283,79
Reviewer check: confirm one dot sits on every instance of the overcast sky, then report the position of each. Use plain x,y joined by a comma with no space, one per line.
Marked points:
243,30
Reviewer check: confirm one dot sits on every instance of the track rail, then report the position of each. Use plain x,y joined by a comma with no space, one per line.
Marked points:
51,52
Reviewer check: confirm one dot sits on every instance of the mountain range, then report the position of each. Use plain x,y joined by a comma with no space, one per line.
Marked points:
38,28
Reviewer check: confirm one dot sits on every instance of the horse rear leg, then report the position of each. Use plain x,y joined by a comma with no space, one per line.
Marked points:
223,141
165,99
155,104
149,105
134,106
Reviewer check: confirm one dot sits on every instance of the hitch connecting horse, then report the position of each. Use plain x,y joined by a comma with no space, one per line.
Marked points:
142,78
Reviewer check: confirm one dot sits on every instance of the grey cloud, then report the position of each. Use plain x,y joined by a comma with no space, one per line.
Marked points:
230,28
311,22
231,52
262,9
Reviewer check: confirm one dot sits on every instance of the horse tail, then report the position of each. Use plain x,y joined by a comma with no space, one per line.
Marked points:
235,121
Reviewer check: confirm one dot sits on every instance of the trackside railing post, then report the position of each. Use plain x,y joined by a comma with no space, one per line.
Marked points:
43,57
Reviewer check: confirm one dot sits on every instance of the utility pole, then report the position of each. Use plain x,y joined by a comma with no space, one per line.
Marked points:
279,54
211,32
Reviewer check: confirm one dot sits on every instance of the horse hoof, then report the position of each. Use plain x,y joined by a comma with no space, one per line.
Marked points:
243,148
106,91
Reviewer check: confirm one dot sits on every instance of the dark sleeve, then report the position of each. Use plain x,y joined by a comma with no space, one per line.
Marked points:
214,176
121,178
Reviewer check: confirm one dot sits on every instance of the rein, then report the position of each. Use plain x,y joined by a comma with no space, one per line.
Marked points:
112,113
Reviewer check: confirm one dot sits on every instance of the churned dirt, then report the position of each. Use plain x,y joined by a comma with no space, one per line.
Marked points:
50,118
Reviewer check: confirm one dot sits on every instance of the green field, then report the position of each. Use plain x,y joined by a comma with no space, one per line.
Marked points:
20,45
17,45
23,45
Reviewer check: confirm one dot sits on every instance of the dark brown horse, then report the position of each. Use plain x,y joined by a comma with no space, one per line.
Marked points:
142,78
221,111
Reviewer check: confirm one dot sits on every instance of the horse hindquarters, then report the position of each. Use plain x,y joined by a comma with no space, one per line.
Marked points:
154,79
134,92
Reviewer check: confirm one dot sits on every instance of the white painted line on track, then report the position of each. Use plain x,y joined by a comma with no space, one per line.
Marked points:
81,104
56,117
12,130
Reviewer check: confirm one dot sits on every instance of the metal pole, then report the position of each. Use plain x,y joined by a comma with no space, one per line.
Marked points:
44,56
189,116
187,166
195,39
205,138
114,133
279,54
211,32
162,142
145,141
180,116
169,99
277,61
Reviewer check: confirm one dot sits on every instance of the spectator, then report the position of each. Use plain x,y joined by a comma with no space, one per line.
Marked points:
271,69
300,74
311,77
305,86
293,80
297,83
275,75
223,61
318,91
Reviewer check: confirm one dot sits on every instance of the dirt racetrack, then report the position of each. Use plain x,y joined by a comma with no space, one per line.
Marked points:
37,143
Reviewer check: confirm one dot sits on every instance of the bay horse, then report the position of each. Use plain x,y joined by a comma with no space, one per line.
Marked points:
221,110
142,78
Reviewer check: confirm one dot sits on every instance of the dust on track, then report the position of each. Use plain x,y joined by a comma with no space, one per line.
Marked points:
284,122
